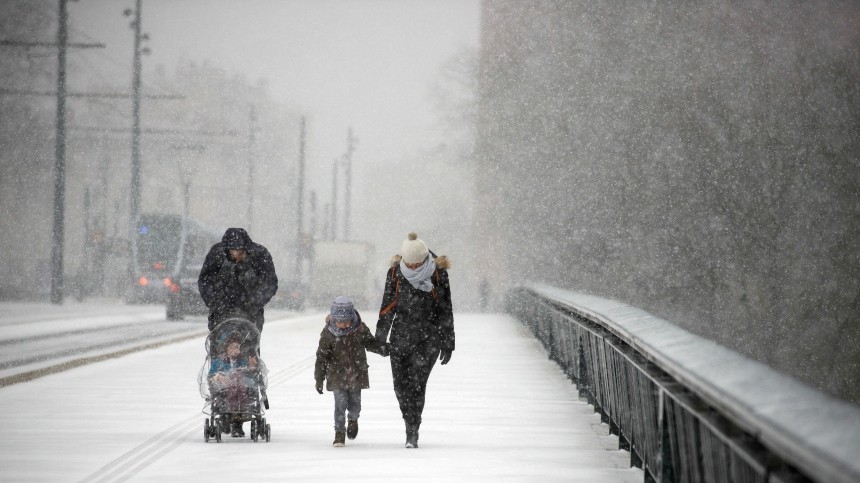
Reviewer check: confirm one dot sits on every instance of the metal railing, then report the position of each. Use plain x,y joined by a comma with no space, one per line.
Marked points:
687,409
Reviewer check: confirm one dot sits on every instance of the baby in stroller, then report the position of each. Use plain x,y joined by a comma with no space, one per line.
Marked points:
231,362
233,379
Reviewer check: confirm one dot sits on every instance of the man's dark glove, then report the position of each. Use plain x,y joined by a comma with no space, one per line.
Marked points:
445,356
319,387
249,300
386,350
246,275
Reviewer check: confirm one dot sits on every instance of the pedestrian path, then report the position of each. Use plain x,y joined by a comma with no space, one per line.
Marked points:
499,411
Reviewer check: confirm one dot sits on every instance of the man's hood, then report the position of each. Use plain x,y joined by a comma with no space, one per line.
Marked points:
236,239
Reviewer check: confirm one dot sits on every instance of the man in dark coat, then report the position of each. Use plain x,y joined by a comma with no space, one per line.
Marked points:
416,308
238,275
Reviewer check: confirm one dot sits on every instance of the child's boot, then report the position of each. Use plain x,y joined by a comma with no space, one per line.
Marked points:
352,429
338,439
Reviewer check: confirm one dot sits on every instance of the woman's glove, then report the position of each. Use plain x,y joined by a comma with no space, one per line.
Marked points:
320,387
445,356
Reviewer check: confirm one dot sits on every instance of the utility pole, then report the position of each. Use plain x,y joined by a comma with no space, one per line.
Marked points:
186,199
334,167
134,208
347,159
59,163
326,226
312,230
313,221
300,205
253,128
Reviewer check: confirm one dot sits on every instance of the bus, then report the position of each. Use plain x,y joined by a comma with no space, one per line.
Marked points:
167,249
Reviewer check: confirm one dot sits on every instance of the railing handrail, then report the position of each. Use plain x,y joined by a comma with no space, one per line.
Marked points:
809,429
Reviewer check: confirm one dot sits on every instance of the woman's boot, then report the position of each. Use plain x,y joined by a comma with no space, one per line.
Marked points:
411,435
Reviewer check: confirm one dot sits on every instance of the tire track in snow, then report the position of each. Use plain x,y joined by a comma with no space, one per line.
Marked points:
141,456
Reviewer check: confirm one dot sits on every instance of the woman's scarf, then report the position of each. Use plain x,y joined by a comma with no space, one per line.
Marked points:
420,278
337,331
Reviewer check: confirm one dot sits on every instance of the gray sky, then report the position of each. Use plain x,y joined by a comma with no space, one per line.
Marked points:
366,64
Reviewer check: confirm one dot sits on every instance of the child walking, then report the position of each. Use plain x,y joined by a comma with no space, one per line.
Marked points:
342,360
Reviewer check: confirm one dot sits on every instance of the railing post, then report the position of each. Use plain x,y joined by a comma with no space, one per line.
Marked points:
584,382
623,443
635,460
665,474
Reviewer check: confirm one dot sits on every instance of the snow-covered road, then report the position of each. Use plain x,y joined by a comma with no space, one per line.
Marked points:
36,338
500,411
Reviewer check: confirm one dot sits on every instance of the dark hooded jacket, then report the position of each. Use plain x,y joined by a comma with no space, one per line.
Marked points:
342,361
227,286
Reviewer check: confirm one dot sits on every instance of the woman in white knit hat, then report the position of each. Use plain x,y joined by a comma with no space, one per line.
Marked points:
416,309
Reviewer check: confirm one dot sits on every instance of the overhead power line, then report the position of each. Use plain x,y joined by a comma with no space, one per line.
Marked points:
26,43
89,95
161,131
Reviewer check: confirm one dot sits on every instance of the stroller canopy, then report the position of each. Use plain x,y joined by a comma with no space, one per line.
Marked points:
231,329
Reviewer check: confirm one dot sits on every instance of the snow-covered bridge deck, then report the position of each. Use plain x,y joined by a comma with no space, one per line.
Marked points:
499,411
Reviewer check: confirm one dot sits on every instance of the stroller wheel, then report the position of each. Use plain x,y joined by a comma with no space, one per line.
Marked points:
254,430
218,428
268,432
206,431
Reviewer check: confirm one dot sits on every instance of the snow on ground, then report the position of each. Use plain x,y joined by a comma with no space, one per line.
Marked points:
499,411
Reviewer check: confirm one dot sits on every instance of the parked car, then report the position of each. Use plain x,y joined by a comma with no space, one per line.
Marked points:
184,297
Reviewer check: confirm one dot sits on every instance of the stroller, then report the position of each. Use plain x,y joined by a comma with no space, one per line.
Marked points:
233,379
